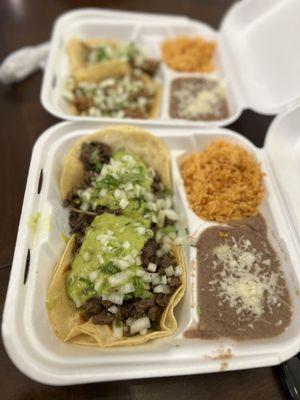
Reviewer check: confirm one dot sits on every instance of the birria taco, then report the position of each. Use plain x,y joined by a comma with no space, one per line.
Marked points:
122,272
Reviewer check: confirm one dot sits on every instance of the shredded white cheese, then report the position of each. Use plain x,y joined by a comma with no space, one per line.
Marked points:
193,103
245,283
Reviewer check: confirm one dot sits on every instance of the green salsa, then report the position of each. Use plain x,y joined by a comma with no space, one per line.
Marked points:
110,249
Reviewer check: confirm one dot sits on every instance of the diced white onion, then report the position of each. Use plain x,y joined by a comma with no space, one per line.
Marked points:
165,248
139,325
127,288
171,214
160,203
103,238
172,235
158,236
98,283
122,264
126,245
156,280
117,193
86,195
177,271
138,260
113,309
84,206
153,218
115,298
143,332
128,186
162,289
151,206
163,280
161,218
151,172
114,175
141,230
93,276
100,259
86,256
137,189
130,321
169,271
69,96
152,267
168,202
119,278
117,329
129,258
134,253
146,277
148,196
179,241
124,203
150,276
140,272
103,192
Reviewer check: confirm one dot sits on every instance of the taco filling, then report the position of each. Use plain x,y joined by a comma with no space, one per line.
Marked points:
131,96
117,277
127,52
122,272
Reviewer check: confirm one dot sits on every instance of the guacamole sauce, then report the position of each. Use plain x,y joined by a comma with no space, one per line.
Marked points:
108,263
121,184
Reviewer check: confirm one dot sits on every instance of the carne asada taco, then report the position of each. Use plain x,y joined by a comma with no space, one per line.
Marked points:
134,95
122,272
96,59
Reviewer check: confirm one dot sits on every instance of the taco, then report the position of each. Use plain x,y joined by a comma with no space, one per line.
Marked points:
100,58
121,274
134,95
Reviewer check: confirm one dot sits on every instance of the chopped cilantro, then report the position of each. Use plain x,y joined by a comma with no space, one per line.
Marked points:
98,166
138,286
94,156
89,289
101,54
86,281
147,295
168,229
128,296
118,324
110,181
110,268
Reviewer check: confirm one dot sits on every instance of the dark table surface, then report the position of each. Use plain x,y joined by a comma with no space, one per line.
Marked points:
24,22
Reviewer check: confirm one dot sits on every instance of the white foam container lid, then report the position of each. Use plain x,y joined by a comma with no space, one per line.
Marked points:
257,58
27,335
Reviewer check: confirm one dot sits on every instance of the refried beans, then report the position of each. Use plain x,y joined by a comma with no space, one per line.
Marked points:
242,292
198,99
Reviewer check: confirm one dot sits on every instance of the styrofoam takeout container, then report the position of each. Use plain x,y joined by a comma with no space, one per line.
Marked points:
26,332
256,61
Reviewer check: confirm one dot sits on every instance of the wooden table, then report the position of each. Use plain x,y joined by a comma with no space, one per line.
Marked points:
23,119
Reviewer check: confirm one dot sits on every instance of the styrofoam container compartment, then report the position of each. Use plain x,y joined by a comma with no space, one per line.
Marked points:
26,332
256,60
